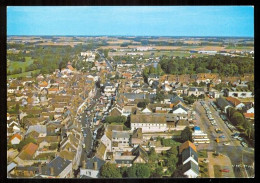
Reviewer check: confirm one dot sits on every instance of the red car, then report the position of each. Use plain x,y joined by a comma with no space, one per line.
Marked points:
224,170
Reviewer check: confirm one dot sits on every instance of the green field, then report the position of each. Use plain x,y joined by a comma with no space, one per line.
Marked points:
24,74
12,65
15,65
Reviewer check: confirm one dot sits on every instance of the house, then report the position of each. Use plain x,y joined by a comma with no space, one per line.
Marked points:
146,110
106,139
121,138
148,122
190,169
124,160
196,91
223,104
101,151
249,115
189,154
235,102
140,154
91,167
238,92
137,137
15,139
57,168
25,157
186,145
179,109
40,129
109,89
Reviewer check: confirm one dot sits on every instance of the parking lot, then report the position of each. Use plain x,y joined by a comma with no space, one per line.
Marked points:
220,130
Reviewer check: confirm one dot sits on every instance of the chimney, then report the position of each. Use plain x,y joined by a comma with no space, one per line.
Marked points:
52,170
95,165
40,168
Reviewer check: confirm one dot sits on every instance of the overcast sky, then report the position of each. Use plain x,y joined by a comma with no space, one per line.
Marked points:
131,20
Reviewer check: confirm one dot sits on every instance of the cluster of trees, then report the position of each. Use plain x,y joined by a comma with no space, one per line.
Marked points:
152,70
191,99
143,104
19,57
139,170
15,71
32,67
237,119
186,134
115,119
224,65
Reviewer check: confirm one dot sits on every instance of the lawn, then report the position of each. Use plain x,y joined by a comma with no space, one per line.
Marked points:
203,154
217,172
204,170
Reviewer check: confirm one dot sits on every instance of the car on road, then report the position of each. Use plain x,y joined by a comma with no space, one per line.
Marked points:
226,143
85,135
224,170
244,144
222,136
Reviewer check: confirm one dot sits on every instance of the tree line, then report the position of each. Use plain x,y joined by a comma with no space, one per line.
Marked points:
224,65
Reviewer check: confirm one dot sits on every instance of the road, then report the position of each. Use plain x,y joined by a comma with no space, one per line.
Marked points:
107,61
86,123
234,151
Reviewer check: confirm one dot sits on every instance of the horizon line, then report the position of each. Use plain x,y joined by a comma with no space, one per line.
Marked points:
136,36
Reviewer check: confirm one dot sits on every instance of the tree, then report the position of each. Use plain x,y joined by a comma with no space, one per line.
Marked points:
186,134
109,170
158,172
152,155
142,104
142,170
195,84
17,107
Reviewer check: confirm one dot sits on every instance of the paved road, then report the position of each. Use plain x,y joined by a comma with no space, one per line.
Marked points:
234,151
86,122
107,61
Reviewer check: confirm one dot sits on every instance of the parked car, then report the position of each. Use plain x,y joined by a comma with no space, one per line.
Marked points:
226,143
224,170
222,136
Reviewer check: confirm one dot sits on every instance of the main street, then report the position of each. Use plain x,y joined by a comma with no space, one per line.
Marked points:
86,123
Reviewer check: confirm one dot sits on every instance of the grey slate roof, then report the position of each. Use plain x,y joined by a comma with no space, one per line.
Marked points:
90,163
180,106
176,98
139,96
190,165
59,164
120,134
222,103
37,128
189,152
196,88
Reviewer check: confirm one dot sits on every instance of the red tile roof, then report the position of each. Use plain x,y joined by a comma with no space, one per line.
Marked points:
17,136
187,144
30,148
249,115
233,100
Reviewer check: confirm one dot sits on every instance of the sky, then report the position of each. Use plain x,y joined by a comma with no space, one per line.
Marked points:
131,20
